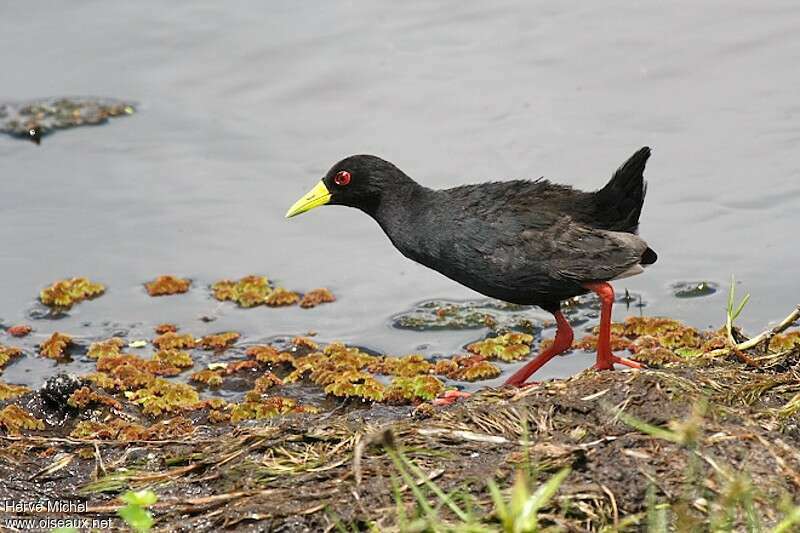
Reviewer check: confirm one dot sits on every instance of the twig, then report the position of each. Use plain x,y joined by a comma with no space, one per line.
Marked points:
768,334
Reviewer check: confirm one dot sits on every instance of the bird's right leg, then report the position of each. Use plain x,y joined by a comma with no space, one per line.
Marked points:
561,344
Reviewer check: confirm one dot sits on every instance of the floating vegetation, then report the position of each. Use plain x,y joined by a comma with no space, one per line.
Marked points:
694,289
167,285
442,314
264,408
249,291
7,353
21,330
13,419
208,377
473,369
219,341
264,353
83,397
172,357
252,291
266,382
109,347
210,471
65,293
165,328
56,346
316,297
175,341
782,342
123,430
354,384
238,366
408,366
280,297
35,119
508,347
418,388
8,391
163,396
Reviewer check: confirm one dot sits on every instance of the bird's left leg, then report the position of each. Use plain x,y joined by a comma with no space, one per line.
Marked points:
606,359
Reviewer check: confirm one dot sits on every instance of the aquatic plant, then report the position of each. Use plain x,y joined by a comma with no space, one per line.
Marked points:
238,366
119,429
211,378
280,297
785,341
507,347
14,418
129,366
174,358
56,346
83,397
351,383
163,396
435,315
264,353
20,330
167,285
109,347
106,382
249,291
473,369
316,297
67,292
165,328
173,341
266,382
305,342
35,119
219,341
408,366
263,409
8,391
7,353
411,389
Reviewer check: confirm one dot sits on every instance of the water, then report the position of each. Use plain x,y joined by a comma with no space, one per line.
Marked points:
243,107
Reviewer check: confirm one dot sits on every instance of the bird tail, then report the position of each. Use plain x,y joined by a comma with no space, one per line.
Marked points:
620,201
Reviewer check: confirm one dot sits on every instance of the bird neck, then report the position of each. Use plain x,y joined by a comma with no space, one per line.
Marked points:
401,215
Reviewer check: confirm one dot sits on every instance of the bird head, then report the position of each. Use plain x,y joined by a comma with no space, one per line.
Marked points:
360,181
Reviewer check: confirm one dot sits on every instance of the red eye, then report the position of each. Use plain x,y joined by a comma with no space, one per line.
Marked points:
342,178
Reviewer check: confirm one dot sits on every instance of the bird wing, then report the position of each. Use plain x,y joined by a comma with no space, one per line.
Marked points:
576,252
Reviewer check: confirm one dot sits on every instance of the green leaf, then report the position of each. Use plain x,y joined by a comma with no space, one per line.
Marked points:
142,498
136,517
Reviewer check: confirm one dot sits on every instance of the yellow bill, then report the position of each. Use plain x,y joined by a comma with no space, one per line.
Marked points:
319,195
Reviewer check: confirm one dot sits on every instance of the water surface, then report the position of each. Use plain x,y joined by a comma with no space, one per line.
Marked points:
243,106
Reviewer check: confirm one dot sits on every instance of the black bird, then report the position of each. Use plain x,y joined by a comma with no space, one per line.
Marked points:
525,242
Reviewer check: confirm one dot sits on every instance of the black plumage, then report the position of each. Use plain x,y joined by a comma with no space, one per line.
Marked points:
521,241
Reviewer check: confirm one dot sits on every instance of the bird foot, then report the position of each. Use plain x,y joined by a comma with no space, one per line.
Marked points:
608,363
450,397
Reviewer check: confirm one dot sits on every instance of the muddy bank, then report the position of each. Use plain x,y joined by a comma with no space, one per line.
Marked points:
729,422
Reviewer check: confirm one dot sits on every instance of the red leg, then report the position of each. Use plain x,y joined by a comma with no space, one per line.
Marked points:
561,344
606,359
